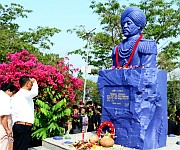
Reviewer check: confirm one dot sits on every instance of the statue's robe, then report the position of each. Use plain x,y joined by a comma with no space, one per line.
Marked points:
144,56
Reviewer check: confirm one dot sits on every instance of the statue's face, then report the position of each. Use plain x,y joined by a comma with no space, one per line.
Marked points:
129,28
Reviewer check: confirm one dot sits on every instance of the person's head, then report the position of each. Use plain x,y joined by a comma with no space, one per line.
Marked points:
133,20
83,110
95,105
9,88
81,103
88,104
91,109
99,105
99,111
25,82
75,109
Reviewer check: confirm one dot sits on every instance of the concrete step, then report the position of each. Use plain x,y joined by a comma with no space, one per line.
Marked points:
38,148
53,144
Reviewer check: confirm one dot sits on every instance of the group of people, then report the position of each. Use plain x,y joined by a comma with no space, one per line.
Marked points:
17,113
88,118
85,118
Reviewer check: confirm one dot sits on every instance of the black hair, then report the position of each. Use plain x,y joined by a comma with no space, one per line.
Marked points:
83,108
75,107
95,104
99,109
91,107
99,104
89,103
168,112
9,86
23,80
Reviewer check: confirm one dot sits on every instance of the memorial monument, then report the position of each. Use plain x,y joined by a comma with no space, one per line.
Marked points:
133,94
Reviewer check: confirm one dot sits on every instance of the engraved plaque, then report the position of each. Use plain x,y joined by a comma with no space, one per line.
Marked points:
116,97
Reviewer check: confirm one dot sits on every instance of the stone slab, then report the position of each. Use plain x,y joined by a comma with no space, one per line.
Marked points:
52,144
38,148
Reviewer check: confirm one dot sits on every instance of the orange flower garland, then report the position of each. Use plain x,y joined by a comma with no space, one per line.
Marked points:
106,124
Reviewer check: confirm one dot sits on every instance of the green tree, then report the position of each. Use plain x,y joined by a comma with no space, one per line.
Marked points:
173,94
163,26
92,92
170,53
12,40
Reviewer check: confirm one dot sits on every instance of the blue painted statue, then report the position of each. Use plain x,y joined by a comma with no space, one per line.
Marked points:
134,100
134,51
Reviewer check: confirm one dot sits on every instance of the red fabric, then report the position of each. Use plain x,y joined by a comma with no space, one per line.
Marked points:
117,61
131,56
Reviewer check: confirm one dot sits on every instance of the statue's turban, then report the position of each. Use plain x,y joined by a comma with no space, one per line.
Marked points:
136,15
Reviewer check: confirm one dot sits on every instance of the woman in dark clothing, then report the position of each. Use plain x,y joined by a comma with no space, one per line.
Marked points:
92,121
98,116
76,121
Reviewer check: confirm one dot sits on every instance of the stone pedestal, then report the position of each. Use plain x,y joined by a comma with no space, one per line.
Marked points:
135,101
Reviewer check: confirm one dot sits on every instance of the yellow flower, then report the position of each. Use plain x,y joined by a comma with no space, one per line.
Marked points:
94,146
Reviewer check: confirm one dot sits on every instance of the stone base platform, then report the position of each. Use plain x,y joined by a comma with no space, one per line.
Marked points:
51,144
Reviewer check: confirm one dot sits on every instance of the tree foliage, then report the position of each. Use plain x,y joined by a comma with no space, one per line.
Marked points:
173,93
92,92
163,26
12,40
171,55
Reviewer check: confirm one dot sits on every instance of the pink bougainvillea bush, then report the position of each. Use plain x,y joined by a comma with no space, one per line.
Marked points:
58,90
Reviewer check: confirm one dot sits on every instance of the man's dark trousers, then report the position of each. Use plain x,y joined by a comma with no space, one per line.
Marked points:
22,136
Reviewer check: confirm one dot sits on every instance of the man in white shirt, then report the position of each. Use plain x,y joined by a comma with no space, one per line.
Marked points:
23,114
